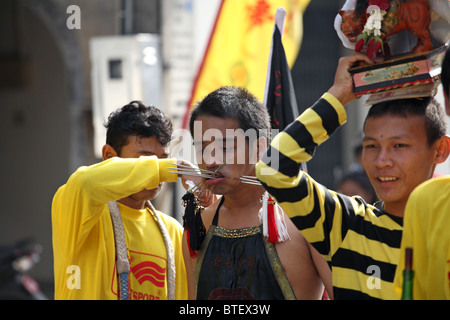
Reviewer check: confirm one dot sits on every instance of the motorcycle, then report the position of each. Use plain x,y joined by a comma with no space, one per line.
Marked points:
15,263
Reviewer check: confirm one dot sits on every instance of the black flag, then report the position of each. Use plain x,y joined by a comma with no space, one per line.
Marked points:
279,94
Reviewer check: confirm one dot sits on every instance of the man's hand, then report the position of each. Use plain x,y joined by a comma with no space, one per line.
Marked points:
342,88
205,196
184,177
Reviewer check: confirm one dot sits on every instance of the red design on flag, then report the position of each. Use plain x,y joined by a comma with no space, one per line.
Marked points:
259,13
149,271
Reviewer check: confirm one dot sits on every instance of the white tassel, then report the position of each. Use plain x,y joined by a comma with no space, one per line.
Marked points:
280,227
262,215
283,234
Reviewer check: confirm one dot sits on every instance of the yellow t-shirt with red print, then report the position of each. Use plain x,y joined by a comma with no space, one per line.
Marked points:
83,236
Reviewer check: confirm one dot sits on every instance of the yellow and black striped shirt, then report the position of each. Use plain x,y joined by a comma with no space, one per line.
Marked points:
360,242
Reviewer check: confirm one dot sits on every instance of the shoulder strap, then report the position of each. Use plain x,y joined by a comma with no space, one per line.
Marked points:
122,263
216,215
171,270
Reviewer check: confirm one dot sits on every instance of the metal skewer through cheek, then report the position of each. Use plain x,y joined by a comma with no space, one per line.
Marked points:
208,174
250,180
194,172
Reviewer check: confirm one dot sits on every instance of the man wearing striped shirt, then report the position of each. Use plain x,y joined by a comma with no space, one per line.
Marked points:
403,141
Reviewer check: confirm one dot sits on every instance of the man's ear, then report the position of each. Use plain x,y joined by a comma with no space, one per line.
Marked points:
108,152
443,150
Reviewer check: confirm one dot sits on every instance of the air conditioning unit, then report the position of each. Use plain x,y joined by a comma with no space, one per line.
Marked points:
123,68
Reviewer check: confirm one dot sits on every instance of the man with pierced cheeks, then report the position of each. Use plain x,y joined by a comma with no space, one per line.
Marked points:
236,261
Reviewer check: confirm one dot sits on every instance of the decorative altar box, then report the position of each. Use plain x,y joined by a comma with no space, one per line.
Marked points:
399,72
411,91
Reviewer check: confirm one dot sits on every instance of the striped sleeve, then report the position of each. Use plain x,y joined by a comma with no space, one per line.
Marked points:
311,206
360,242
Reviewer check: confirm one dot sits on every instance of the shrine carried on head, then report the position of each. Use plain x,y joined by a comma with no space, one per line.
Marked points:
406,39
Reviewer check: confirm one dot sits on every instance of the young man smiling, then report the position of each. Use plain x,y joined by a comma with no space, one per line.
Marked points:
404,140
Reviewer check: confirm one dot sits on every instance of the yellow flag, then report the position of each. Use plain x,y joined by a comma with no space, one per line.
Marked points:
238,50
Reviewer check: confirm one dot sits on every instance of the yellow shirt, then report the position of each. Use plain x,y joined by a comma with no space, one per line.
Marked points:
83,237
426,231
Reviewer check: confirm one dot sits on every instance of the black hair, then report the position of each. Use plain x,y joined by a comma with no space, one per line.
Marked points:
137,119
428,108
234,103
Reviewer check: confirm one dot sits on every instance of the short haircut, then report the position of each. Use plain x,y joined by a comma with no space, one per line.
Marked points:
234,103
428,108
137,119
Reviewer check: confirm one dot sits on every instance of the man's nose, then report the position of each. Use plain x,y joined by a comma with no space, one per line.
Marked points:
384,158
